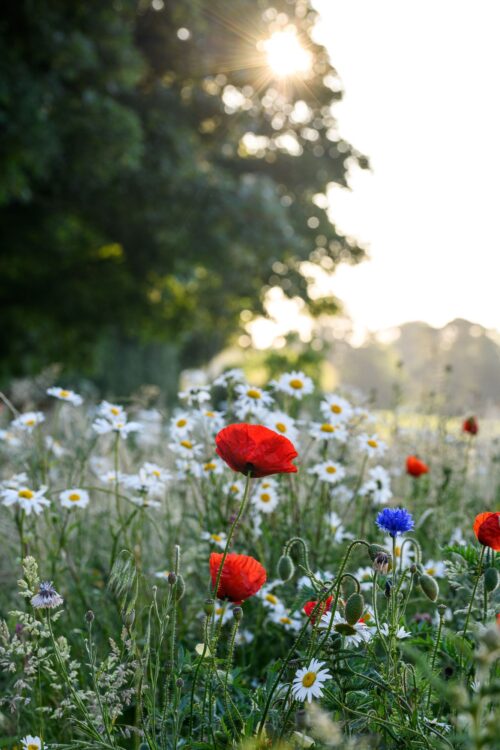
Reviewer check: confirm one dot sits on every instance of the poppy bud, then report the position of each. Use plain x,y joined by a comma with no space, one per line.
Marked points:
238,614
429,586
381,563
172,578
490,579
179,682
208,606
286,568
374,549
354,608
89,616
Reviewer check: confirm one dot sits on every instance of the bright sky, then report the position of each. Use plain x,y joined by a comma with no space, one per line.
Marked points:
421,82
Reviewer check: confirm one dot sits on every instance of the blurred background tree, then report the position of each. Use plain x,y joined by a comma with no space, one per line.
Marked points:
163,165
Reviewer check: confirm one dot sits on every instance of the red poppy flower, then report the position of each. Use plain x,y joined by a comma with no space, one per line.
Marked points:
470,425
325,607
242,576
415,467
487,530
255,450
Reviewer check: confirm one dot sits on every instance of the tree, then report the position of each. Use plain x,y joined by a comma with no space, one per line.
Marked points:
157,176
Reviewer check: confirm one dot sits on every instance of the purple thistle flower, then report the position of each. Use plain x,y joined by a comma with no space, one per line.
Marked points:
394,521
47,597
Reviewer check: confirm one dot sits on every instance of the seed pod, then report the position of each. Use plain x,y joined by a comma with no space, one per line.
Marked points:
208,606
286,568
429,586
354,608
490,579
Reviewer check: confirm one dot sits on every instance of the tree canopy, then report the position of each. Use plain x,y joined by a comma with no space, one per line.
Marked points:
157,176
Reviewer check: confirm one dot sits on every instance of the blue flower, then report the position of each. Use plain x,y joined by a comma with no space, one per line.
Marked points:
395,521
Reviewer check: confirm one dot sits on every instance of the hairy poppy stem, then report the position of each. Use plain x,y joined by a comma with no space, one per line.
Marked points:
480,570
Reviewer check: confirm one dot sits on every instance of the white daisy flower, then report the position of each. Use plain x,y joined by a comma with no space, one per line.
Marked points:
212,467
223,612
74,498
54,446
435,568
144,501
163,574
10,438
404,555
294,384
235,488
31,743
244,637
219,540
328,471
328,431
352,634
145,483
281,423
213,421
29,500
336,528
288,622
196,396
111,411
119,425
28,421
15,482
378,486
181,424
64,395
250,400
400,632
270,600
230,376
159,474
111,477
457,538
186,448
371,445
308,681
265,499
336,409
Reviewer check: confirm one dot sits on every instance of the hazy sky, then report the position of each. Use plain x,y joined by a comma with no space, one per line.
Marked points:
421,100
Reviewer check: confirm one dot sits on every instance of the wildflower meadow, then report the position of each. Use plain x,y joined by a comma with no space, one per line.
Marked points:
262,566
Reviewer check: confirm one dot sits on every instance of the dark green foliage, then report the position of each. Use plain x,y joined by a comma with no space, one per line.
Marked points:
130,210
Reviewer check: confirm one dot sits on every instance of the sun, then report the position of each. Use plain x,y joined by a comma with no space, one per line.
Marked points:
285,54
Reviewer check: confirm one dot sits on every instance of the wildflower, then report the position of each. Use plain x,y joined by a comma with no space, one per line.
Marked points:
470,425
280,617
353,634
404,556
212,467
74,498
381,563
294,384
308,681
145,483
54,446
243,637
47,597
181,424
230,376
9,438
219,539
111,411
328,471
281,423
270,600
196,395
235,488
63,395
378,486
29,500
213,421
415,467
395,521
265,498
31,743
28,421
242,576
371,445
186,448
164,574
250,400
255,450
309,608
119,425
400,633
336,527
336,409
328,431
435,568
112,477
487,530
159,474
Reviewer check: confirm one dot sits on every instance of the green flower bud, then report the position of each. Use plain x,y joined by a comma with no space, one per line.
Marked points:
237,613
286,568
429,586
354,608
208,606
490,579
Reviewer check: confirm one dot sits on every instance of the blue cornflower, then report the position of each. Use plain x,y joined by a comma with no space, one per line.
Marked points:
395,521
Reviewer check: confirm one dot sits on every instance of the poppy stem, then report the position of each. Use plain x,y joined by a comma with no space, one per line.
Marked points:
480,570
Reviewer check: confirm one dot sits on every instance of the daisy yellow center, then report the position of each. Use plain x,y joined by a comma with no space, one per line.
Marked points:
296,383
285,620
372,443
280,427
265,485
271,599
181,423
398,551
254,393
336,409
334,528
74,497
216,537
309,679
186,444
209,414
120,425
26,494
234,489
431,571
156,473
331,470
210,466
265,497
115,410
30,422
219,611
327,428
64,394
31,746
